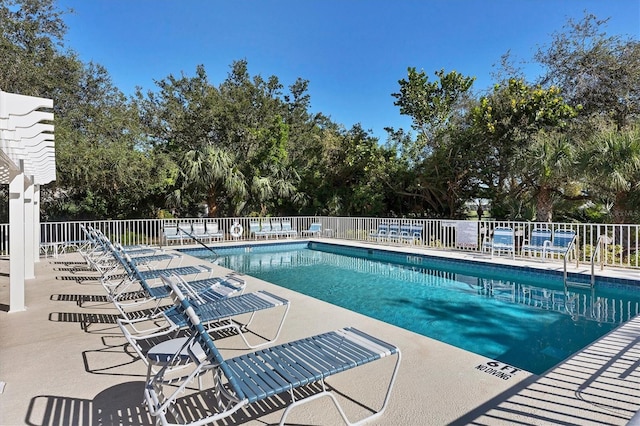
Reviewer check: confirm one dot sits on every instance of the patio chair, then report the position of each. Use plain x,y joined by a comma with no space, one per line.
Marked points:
200,232
394,232
81,245
314,230
503,241
260,375
118,281
157,325
102,260
380,233
265,229
276,229
214,232
186,231
140,257
218,314
563,242
287,230
411,233
171,233
257,230
254,229
96,249
537,241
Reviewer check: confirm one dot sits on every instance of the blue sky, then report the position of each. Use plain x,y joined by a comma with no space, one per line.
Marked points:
353,52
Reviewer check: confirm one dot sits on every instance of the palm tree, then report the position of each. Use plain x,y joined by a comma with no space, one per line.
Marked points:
213,171
547,168
611,160
275,183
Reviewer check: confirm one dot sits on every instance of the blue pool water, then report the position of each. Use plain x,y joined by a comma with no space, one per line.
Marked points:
517,316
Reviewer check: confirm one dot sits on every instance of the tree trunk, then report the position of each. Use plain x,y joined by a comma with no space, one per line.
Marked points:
619,210
212,204
544,205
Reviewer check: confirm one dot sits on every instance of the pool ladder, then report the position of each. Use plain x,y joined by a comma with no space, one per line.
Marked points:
592,282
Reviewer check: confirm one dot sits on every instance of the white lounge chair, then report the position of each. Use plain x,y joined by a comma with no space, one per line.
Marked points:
256,230
128,286
276,229
411,233
265,229
314,230
503,241
200,232
214,232
185,230
381,233
207,232
562,244
287,230
394,232
215,307
171,233
537,241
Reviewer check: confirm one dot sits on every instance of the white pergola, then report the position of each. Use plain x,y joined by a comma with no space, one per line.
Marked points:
27,160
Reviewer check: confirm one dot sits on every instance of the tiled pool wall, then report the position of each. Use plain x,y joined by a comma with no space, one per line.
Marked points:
467,265
245,248
419,261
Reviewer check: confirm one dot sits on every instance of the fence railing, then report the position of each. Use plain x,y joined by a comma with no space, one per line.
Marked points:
620,248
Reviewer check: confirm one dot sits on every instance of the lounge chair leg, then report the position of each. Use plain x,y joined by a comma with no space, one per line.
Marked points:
337,403
245,326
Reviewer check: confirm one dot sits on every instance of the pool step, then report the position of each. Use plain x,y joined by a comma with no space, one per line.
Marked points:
576,284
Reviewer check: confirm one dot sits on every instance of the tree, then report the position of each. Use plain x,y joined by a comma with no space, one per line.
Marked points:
252,123
598,72
611,160
30,32
548,172
355,173
431,105
437,169
508,120
104,167
239,129
212,171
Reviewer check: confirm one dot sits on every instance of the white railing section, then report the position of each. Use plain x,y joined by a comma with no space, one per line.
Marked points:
620,248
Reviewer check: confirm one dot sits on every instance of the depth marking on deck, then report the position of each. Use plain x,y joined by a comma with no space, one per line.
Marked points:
498,369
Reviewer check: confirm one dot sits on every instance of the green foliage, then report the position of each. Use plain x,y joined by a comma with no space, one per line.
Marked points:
612,159
600,73
612,254
565,148
431,105
30,33
517,110
527,155
439,173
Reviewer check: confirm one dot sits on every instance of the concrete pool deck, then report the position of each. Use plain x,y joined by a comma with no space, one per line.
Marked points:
62,363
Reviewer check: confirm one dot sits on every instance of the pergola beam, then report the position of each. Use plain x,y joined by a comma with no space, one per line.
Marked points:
27,160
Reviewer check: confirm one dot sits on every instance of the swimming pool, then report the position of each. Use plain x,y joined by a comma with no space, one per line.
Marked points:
518,316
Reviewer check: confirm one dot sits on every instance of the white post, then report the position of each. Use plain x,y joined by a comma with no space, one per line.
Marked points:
16,242
29,270
36,223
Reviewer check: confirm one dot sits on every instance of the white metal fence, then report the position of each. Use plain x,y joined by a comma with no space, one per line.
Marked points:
621,247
